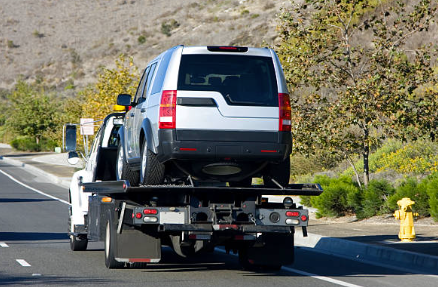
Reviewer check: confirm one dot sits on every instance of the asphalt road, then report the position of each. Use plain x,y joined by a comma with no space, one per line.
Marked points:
34,250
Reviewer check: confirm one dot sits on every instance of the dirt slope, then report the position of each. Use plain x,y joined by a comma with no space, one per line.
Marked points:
65,42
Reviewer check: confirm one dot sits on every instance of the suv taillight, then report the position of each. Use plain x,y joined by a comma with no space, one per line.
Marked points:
167,119
285,112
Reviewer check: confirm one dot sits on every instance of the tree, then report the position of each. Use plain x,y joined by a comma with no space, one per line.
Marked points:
99,99
32,111
353,79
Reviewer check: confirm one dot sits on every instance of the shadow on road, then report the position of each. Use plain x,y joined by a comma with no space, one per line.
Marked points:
17,200
8,279
34,236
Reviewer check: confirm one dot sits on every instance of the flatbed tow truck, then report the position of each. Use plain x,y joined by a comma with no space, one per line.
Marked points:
135,222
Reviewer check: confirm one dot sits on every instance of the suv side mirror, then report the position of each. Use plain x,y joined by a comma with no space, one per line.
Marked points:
73,157
124,100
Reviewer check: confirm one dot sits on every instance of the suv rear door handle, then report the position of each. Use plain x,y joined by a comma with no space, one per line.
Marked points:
132,115
143,110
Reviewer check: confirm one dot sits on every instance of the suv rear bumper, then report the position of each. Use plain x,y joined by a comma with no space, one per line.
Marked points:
223,145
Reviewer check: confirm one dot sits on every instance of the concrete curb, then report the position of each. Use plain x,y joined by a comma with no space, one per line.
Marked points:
411,261
62,181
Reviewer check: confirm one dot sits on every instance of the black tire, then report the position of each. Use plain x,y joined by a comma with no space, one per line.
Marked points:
185,251
110,246
151,170
123,172
78,243
280,172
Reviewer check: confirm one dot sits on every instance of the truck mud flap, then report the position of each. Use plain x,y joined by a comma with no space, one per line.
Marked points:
277,250
136,246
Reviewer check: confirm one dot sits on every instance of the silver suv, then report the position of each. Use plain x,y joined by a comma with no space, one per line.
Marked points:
210,114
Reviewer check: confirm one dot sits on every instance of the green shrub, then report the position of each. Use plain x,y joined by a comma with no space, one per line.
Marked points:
415,191
306,201
334,200
167,27
141,39
25,144
432,191
374,198
419,157
29,144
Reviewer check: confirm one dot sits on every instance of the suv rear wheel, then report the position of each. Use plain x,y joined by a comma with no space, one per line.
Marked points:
151,170
122,170
280,172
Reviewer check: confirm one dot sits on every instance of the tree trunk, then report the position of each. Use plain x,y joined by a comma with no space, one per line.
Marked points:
355,171
366,154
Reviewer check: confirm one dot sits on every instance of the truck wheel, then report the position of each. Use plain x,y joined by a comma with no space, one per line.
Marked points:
78,243
151,170
185,251
280,172
110,246
122,170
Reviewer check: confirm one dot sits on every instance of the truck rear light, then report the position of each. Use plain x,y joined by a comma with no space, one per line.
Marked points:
227,49
292,213
188,149
291,221
106,199
268,151
285,121
138,215
167,118
304,218
150,211
149,219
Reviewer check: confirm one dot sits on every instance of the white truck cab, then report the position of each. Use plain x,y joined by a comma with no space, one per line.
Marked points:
104,152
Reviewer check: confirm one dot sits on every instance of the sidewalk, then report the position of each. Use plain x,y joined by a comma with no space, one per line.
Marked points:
374,239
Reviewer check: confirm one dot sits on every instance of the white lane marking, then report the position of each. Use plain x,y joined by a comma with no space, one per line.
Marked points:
323,278
4,245
304,273
33,189
23,263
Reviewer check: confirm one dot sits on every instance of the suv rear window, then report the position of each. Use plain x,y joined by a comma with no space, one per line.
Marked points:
242,80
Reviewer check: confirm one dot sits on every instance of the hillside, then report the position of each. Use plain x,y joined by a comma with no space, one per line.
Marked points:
63,43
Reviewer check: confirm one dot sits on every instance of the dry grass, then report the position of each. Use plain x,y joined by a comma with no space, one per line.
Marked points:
36,33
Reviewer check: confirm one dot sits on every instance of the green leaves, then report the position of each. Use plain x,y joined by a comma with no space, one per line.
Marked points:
352,80
31,112
97,101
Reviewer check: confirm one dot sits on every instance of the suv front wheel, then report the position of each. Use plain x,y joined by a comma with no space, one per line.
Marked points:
151,170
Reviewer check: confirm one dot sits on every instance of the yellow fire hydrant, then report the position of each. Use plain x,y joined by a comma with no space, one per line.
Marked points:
406,217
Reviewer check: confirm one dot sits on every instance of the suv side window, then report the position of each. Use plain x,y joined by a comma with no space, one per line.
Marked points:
161,72
140,87
149,79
